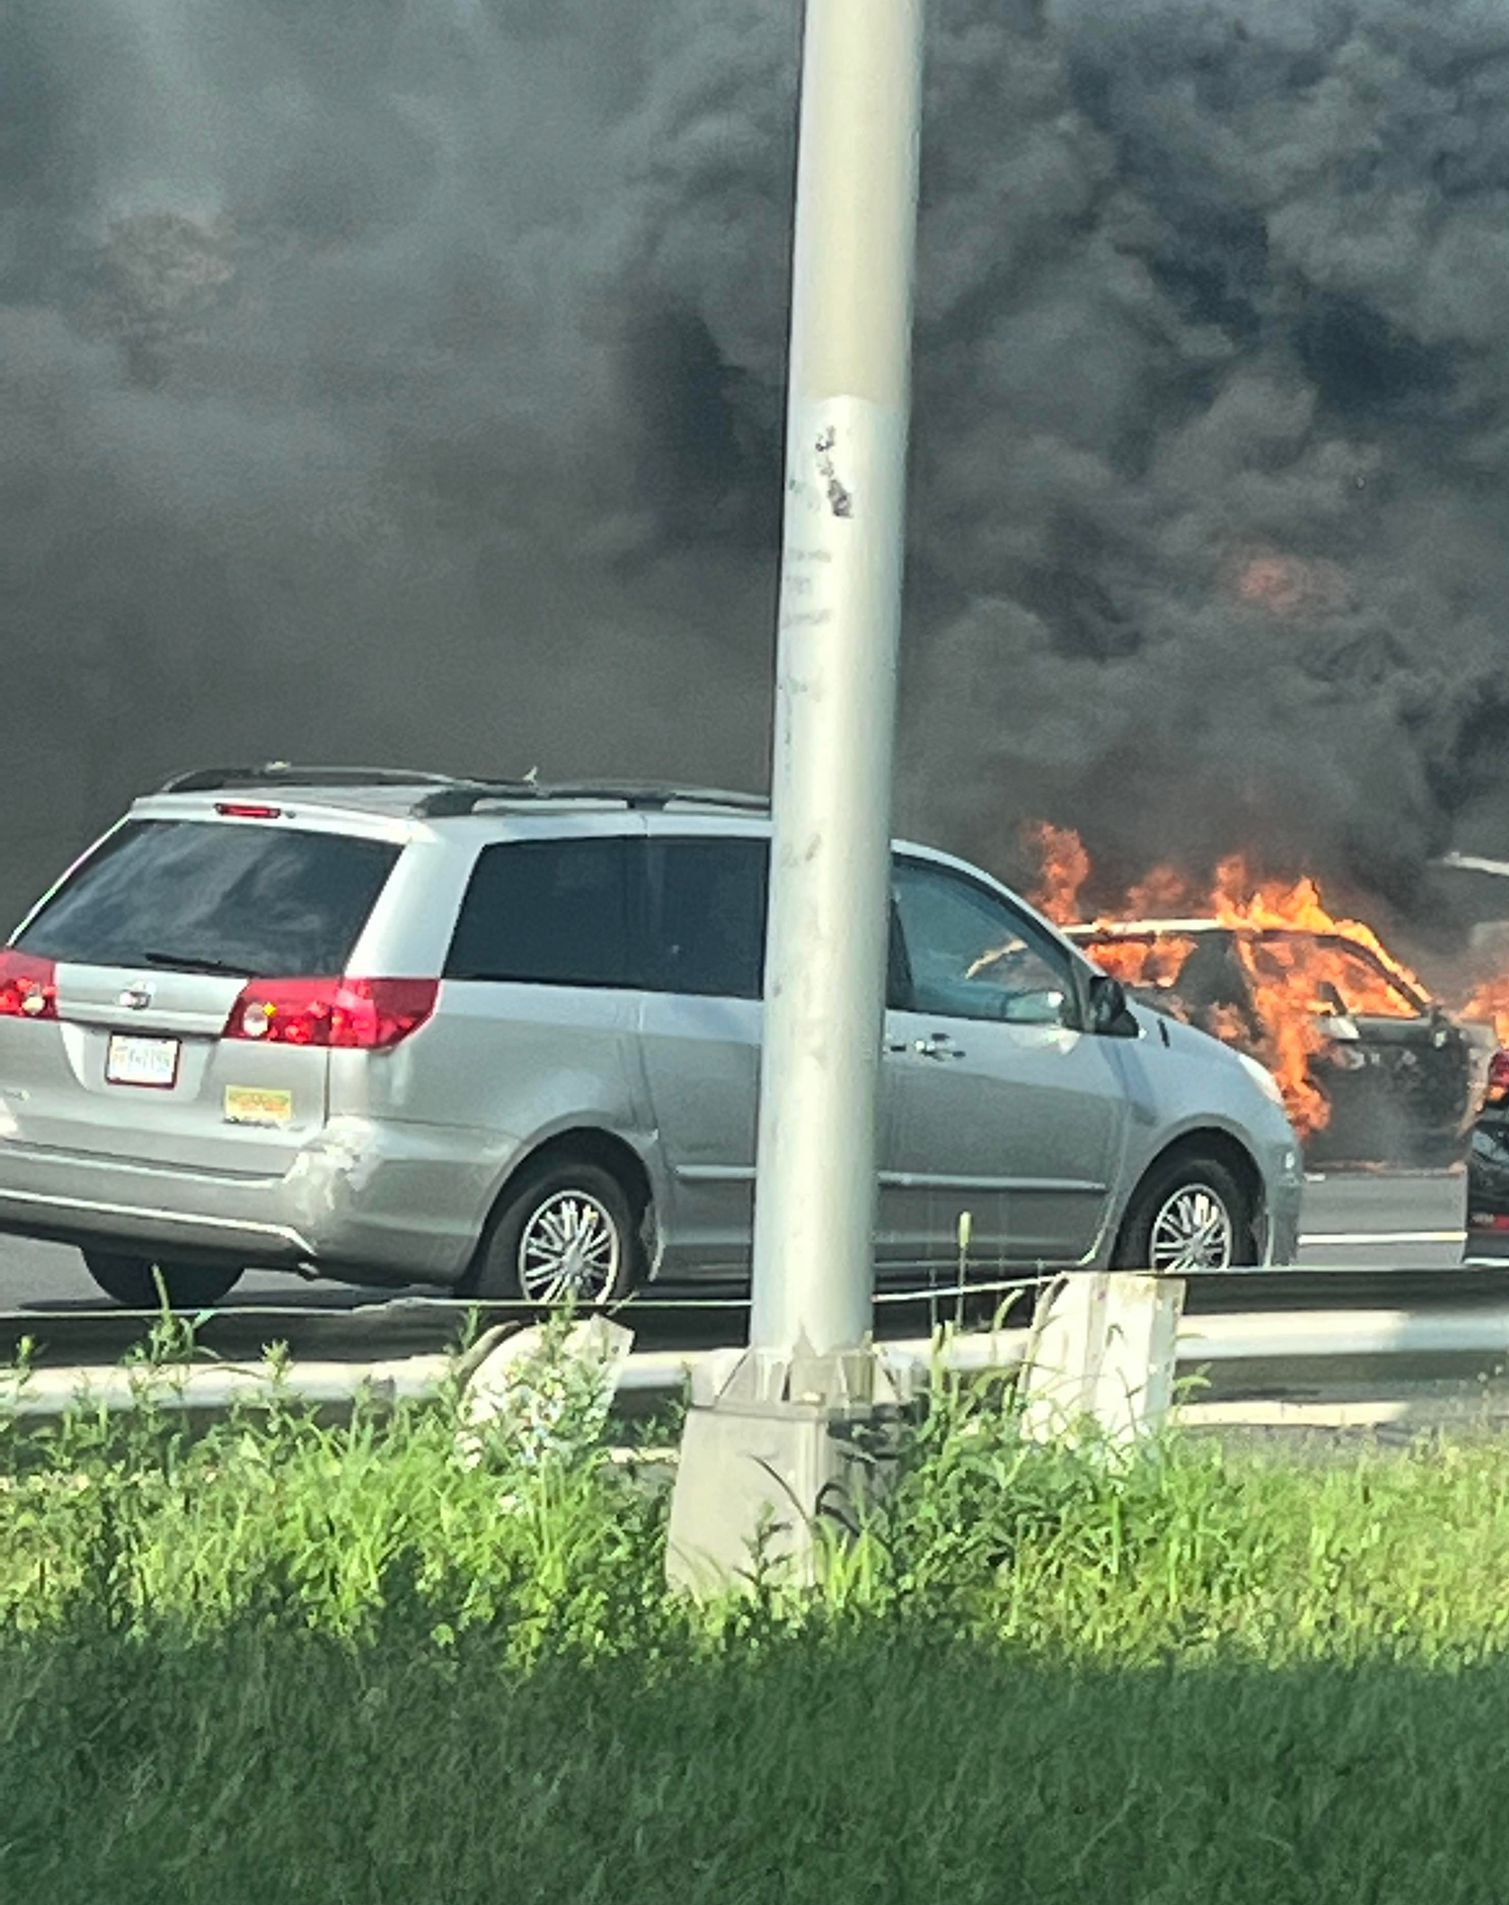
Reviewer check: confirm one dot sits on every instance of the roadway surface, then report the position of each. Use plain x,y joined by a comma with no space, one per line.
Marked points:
1398,1235
1363,1220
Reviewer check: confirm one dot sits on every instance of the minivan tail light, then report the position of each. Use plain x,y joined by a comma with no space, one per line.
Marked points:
367,1015
244,810
28,986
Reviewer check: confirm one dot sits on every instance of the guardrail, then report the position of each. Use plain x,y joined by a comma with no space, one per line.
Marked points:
1324,1361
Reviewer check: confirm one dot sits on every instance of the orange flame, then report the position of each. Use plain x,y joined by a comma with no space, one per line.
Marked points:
1238,900
1490,1002
1064,868
1295,984
1289,586
1144,962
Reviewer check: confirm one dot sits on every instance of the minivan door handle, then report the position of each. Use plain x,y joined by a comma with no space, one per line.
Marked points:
938,1045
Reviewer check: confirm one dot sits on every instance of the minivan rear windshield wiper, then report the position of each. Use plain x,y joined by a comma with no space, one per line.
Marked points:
182,962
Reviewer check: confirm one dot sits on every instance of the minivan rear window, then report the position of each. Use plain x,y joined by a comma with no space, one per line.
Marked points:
266,902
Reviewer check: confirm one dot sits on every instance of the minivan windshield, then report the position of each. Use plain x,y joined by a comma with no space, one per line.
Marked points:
207,896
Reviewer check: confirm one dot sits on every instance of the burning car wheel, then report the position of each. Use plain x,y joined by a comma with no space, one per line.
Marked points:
1191,1216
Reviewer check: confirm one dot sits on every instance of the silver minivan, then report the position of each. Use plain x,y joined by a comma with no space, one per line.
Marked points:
504,1039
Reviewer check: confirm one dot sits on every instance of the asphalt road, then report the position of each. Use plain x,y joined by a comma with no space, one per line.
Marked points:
1369,1222
1384,1220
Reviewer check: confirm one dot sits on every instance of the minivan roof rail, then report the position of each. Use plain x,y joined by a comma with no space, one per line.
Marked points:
465,797
208,780
449,794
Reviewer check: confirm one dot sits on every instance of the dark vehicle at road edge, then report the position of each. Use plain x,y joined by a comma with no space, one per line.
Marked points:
1488,1171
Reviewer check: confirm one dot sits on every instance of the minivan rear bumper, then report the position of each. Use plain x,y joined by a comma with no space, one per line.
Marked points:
375,1203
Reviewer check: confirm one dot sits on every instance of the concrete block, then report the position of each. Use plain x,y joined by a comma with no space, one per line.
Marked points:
1062,1358
1134,1388
540,1395
1102,1350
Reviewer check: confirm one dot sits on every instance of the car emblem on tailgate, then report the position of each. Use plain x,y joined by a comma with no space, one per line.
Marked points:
137,996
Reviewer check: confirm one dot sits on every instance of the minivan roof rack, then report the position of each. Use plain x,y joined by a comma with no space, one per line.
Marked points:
450,794
465,797
208,780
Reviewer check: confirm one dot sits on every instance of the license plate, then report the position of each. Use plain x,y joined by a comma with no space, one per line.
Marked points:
149,1062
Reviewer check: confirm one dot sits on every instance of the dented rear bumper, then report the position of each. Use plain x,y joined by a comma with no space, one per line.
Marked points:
381,1203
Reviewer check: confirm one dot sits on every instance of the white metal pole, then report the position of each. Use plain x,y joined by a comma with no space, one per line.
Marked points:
840,611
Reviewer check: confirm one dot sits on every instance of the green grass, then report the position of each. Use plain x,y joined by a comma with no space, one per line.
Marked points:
290,1663
275,1766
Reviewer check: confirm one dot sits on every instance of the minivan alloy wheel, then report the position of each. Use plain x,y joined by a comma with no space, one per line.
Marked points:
565,1231
1193,1230
569,1248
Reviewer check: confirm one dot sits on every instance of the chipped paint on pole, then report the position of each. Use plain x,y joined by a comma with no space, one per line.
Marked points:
840,610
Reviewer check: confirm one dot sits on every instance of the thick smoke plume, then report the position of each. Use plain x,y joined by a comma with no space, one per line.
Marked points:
403,381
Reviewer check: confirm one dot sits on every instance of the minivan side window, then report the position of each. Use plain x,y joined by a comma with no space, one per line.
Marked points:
546,912
705,916
972,956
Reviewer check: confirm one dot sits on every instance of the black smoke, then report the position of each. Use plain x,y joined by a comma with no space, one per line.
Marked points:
399,381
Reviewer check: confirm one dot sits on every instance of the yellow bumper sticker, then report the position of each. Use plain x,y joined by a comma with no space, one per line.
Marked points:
245,1104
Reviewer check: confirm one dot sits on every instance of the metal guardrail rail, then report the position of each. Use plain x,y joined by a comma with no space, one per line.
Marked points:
1250,1360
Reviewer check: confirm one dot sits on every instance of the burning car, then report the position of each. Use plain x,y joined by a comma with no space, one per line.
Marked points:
1373,1068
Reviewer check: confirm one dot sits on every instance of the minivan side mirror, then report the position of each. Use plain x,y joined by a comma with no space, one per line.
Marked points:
1110,1014
1044,1007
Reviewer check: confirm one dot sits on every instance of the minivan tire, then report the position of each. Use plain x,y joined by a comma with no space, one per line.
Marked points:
1173,1190
590,1206
131,1282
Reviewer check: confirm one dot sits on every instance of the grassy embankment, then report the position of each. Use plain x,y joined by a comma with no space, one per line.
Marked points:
282,1662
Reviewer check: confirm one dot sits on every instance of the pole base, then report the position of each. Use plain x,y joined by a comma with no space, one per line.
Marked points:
777,1458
